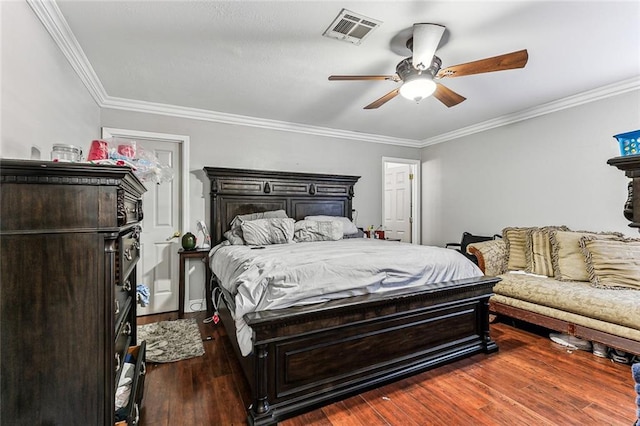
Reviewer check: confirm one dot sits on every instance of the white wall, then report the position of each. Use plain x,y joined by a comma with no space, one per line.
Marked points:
42,99
549,170
224,145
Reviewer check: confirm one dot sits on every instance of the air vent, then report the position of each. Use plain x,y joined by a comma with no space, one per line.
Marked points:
351,27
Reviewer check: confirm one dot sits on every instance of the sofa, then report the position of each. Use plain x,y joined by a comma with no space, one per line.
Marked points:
584,284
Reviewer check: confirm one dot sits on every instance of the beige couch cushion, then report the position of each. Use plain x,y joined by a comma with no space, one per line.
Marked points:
612,263
567,257
596,324
492,256
580,298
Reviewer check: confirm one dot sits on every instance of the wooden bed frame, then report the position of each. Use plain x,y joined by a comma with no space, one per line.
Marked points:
306,357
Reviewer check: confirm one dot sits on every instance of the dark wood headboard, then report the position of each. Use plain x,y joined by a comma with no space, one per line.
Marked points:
242,191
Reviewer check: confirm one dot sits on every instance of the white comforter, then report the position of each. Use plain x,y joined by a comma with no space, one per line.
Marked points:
283,275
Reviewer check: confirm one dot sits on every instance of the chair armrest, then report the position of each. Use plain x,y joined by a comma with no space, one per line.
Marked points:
491,255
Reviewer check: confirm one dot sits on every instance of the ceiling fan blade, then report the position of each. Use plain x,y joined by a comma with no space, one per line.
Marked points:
507,61
447,96
426,38
393,77
379,102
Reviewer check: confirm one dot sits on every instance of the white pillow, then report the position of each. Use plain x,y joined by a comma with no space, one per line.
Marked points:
234,235
312,230
237,221
262,232
348,227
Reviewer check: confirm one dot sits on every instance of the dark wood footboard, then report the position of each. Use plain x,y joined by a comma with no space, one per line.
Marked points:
310,356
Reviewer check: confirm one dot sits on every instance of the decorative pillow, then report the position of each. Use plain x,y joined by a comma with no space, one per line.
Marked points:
312,230
612,264
538,253
234,235
516,242
348,227
567,258
261,232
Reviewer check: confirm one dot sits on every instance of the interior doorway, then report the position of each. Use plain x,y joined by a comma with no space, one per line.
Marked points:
165,212
401,199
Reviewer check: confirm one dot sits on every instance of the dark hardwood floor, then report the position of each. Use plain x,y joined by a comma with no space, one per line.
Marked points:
530,381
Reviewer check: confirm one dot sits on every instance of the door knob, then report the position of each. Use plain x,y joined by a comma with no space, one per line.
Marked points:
175,235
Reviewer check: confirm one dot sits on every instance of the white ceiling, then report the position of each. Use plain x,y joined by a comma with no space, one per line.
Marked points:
254,62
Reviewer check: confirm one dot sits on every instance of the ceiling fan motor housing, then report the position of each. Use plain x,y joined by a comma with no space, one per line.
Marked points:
405,69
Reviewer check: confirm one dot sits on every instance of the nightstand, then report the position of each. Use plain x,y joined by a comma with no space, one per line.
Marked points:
198,253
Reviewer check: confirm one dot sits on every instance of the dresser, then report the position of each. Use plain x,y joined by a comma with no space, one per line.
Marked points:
69,245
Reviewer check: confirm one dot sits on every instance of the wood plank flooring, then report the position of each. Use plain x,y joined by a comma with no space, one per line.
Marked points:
530,381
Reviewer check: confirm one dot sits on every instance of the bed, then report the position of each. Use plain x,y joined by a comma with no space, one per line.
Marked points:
307,356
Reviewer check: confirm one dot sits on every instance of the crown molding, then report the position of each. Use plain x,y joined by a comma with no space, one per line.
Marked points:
548,108
52,19
243,120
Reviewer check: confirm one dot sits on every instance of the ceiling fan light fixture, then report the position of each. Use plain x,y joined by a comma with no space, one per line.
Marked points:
417,88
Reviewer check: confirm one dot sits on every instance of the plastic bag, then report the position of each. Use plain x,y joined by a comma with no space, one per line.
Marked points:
146,166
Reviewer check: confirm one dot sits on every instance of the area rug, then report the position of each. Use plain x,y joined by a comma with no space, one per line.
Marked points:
170,341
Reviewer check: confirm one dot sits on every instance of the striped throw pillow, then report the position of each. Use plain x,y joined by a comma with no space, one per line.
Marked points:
539,250
612,263
516,241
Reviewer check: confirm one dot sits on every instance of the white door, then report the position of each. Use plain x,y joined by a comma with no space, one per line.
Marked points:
397,201
159,264
158,267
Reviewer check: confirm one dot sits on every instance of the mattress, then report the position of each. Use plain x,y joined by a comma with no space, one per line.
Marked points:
284,275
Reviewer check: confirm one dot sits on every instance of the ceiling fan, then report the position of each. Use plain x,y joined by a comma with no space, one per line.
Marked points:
419,73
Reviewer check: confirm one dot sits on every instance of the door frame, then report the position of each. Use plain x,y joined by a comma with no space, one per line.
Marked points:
415,194
183,198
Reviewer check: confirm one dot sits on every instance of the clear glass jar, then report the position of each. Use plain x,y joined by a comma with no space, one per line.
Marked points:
66,153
